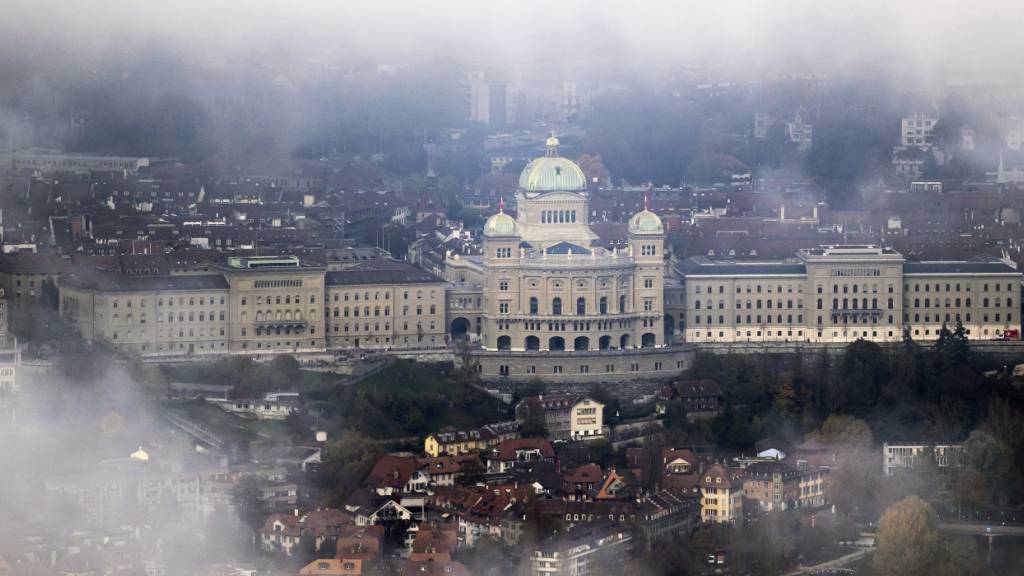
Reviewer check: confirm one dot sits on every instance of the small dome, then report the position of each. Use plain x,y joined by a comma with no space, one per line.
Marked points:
645,222
552,141
500,224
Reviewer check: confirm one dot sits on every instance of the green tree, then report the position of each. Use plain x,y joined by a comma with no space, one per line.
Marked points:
346,462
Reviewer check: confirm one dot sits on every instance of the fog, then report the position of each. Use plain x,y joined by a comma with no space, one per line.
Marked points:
944,37
63,438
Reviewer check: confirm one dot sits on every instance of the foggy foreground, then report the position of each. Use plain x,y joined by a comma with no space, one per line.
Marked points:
543,288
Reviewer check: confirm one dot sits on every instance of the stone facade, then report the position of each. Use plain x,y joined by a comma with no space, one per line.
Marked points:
259,304
842,293
544,285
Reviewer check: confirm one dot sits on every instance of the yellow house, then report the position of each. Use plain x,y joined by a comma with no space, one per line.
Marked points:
721,495
457,442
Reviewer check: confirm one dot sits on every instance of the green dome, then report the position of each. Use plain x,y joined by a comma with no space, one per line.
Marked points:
552,173
645,222
500,224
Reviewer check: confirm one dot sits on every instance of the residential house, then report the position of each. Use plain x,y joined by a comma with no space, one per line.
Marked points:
773,485
582,552
397,474
721,495
505,456
566,416
699,398
456,442
582,483
333,567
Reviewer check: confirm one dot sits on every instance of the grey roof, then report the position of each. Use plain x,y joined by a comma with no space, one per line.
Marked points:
958,268
392,273
705,267
108,282
567,248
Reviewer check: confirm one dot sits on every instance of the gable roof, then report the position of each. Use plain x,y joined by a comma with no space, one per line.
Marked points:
392,471
507,450
696,388
717,476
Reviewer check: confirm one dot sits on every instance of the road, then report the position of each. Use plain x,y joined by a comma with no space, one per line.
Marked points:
983,529
834,563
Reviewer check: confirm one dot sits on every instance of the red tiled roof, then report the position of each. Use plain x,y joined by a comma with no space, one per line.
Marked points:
392,471
507,450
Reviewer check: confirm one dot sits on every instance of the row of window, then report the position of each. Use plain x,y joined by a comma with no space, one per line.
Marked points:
376,327
757,304
505,370
557,216
344,312
854,288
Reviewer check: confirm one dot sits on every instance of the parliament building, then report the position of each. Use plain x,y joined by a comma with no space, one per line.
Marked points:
546,298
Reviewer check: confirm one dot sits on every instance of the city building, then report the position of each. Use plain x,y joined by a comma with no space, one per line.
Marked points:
842,293
456,442
773,485
487,99
721,494
800,132
256,304
50,162
545,283
901,457
566,416
916,130
587,551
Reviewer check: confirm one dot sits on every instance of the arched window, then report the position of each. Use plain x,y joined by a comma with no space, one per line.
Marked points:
696,304
603,305
819,303
556,306
533,305
622,303
581,306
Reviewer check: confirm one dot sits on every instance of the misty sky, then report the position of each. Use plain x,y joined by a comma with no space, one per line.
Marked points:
924,38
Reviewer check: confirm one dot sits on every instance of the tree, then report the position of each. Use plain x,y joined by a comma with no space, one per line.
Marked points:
909,544
346,462
862,373
532,424
285,369
844,431
991,459
247,496
784,400
908,540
